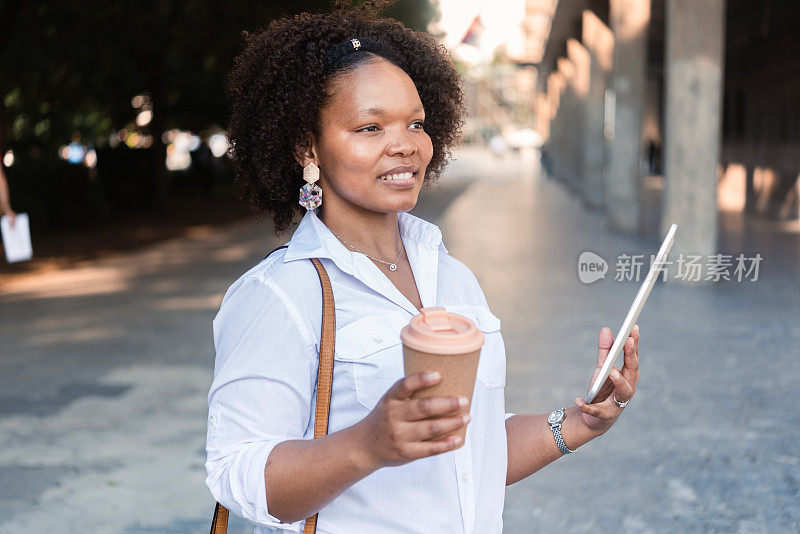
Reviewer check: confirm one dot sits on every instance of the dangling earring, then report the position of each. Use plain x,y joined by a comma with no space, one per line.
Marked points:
310,194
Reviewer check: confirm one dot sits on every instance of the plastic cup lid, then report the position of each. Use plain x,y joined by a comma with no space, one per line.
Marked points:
438,331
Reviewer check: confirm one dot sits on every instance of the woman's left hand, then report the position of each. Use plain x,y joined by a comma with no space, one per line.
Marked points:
621,384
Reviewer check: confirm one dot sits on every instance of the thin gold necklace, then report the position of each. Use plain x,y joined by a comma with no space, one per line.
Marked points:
392,265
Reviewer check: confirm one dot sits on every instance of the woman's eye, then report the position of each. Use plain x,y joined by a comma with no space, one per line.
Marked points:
418,124
371,128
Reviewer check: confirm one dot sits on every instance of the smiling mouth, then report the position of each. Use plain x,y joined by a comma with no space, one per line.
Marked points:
398,176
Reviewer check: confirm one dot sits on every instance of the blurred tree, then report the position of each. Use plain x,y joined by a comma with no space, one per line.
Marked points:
74,67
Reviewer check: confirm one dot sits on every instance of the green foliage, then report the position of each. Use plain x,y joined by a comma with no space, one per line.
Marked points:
69,70
69,67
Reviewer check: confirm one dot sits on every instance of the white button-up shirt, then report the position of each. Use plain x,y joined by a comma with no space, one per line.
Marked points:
267,337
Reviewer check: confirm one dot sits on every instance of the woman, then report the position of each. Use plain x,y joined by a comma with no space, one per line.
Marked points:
373,108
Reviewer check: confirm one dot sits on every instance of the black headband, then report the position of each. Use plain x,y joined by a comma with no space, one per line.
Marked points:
337,55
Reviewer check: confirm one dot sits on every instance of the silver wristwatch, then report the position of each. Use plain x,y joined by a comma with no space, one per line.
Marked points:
555,419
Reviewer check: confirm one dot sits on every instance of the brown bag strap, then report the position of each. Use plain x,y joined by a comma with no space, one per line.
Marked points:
219,525
325,371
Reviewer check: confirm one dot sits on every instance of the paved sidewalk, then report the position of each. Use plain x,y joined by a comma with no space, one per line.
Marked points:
104,371
710,442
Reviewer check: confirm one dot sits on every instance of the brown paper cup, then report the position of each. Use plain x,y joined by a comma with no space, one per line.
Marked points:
458,377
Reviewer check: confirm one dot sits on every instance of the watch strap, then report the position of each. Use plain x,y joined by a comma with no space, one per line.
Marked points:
560,440
556,428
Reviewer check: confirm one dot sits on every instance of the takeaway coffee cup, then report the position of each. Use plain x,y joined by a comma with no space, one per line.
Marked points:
436,340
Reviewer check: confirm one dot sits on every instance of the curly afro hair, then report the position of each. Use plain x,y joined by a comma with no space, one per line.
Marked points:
281,80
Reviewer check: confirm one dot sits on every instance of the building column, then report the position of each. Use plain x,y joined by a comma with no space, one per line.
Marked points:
542,114
565,167
629,22
599,43
579,58
693,105
555,84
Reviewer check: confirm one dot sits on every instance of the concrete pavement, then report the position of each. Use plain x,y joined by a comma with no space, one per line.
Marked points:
104,371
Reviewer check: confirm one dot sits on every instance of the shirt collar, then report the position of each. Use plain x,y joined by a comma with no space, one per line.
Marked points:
312,239
422,240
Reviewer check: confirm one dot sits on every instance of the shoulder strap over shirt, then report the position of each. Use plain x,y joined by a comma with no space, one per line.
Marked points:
219,524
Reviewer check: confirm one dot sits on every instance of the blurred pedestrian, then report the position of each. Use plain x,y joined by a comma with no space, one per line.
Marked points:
546,163
5,198
498,145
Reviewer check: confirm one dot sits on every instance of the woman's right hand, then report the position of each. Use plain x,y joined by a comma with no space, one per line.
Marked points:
401,429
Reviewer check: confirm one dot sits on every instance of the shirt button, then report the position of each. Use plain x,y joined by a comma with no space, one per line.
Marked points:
465,477
377,339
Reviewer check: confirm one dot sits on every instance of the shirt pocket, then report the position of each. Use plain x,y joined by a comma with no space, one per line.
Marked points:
372,347
492,362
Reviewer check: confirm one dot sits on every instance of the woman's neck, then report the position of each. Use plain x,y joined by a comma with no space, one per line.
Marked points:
377,234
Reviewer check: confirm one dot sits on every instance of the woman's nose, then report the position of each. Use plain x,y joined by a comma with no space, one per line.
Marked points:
401,146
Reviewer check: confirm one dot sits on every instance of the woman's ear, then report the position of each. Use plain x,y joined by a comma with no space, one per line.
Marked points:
305,151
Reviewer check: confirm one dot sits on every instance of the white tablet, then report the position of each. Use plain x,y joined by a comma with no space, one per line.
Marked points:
633,314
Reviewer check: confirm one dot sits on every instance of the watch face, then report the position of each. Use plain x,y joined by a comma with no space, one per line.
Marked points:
555,417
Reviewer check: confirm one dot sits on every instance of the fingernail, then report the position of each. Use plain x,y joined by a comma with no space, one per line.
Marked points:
456,440
433,375
579,401
465,418
462,401
636,326
615,373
